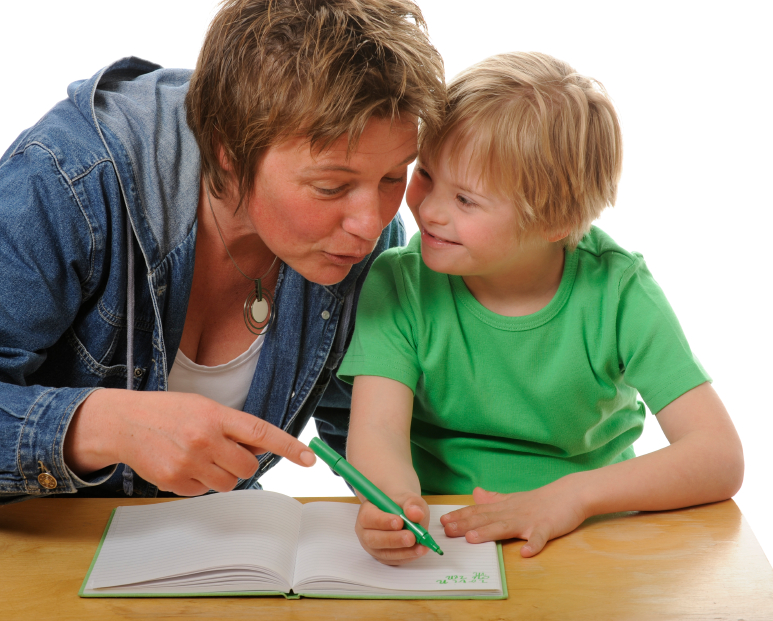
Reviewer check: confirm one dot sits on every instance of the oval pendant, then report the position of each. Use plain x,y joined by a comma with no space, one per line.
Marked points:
258,314
260,310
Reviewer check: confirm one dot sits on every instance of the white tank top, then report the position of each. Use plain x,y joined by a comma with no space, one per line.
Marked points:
228,383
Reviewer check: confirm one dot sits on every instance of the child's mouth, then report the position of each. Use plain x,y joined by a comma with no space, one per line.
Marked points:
434,240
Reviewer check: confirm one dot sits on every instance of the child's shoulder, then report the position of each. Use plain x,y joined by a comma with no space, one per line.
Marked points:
599,248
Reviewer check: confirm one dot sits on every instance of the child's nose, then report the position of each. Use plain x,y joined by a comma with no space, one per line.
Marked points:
431,210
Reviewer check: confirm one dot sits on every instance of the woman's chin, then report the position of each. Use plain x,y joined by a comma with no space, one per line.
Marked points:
328,274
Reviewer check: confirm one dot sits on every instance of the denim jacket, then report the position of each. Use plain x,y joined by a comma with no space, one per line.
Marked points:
119,151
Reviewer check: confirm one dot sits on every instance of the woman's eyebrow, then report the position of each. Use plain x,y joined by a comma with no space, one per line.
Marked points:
409,159
348,169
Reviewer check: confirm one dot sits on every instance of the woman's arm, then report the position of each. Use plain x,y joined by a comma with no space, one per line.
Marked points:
703,463
379,446
183,443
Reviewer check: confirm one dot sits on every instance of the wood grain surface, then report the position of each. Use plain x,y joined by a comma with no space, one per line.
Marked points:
701,563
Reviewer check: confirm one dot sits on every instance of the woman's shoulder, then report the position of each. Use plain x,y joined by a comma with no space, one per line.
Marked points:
62,142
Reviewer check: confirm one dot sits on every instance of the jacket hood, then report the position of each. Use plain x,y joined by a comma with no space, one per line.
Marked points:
139,110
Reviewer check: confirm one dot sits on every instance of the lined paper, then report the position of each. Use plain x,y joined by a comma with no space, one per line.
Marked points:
258,541
329,553
242,529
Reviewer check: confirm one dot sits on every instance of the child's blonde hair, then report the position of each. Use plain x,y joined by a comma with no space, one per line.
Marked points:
542,135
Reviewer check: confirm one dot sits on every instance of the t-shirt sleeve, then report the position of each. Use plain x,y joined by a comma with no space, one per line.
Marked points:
653,350
384,341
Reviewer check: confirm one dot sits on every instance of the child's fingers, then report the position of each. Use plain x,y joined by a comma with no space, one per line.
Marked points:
386,540
417,511
482,496
458,515
399,556
383,537
535,544
473,511
491,531
371,517
458,523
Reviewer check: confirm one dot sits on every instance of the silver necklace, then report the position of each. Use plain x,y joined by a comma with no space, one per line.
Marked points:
259,305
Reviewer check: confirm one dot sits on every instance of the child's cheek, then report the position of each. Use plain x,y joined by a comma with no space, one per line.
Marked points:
415,194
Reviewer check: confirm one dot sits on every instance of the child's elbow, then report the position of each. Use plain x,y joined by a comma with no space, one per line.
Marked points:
732,467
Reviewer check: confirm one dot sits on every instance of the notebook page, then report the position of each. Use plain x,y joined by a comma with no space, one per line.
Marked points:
241,528
329,551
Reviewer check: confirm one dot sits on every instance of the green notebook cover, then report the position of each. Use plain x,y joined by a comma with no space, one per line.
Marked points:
291,594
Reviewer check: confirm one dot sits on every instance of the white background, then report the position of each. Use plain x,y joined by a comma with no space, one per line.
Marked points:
691,82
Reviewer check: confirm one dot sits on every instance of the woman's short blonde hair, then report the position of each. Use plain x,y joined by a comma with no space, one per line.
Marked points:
270,70
539,134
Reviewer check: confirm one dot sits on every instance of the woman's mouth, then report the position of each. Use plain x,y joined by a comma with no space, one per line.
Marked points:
344,259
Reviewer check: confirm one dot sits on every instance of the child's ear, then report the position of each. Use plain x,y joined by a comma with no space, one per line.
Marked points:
554,237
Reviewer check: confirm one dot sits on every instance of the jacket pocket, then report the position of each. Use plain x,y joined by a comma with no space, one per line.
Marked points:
113,376
70,363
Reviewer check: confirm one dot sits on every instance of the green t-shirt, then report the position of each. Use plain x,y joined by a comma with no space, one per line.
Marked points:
514,403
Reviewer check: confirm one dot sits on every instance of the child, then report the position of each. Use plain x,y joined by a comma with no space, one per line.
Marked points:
500,353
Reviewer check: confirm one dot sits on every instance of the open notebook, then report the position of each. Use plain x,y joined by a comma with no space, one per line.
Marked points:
264,543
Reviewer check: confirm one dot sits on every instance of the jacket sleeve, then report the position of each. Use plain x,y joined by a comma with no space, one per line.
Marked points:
47,258
332,413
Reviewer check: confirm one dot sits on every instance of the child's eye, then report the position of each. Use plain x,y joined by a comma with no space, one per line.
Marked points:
464,201
422,172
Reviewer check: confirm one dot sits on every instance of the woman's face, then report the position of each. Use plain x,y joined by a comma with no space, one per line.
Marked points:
323,212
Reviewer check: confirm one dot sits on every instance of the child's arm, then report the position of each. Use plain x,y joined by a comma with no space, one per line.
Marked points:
704,463
379,447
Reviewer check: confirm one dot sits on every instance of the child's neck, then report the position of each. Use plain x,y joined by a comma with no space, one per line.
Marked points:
527,286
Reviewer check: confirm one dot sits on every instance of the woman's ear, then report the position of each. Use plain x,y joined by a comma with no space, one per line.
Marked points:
222,158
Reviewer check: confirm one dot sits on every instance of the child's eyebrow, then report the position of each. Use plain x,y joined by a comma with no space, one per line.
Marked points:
470,191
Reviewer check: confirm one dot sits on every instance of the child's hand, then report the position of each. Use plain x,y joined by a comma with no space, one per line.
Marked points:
382,534
537,516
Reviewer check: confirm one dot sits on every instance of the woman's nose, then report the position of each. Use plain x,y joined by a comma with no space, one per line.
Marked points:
366,219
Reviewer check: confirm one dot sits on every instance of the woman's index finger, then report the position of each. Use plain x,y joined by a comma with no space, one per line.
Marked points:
251,431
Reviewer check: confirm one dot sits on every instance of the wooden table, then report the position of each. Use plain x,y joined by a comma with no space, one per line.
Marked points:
700,563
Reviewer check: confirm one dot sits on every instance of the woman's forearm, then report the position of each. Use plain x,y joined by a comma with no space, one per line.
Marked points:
180,442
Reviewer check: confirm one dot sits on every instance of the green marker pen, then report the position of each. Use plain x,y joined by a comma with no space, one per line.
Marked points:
358,481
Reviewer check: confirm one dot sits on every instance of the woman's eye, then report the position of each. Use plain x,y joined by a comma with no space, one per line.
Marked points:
394,180
330,191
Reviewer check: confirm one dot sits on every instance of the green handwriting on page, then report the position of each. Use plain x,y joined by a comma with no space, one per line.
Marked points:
480,577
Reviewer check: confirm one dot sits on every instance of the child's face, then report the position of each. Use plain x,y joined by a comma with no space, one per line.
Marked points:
466,228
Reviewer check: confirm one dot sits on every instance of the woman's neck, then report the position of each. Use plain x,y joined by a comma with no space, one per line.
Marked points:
223,230
214,330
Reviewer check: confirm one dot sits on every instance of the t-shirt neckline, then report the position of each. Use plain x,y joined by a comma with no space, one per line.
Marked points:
527,322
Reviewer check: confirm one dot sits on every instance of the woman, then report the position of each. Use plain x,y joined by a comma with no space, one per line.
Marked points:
201,239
